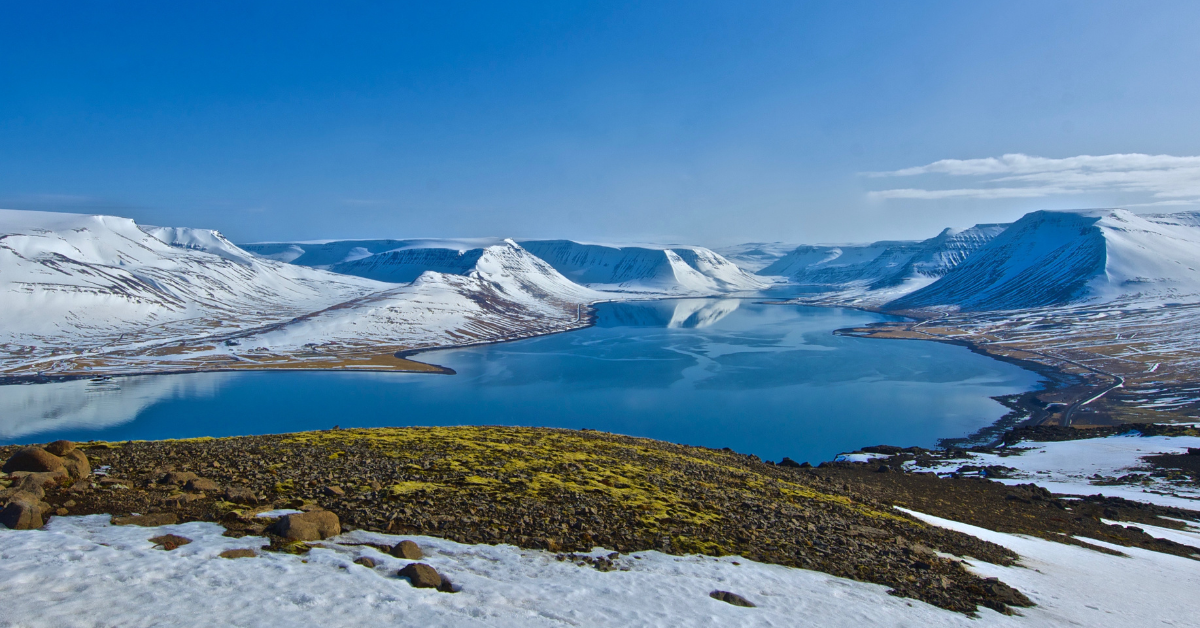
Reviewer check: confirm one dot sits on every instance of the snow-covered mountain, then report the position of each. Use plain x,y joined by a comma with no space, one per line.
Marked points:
754,256
1059,257
644,270
678,271
881,271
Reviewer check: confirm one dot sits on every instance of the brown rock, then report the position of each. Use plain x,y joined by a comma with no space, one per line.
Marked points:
334,491
33,459
731,598
77,464
62,512
307,526
179,499
240,495
60,447
24,511
369,563
238,553
177,478
170,541
421,576
149,520
406,550
201,484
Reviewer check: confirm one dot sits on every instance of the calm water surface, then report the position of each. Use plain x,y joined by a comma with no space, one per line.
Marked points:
764,379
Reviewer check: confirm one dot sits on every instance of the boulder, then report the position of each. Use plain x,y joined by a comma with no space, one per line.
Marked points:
24,512
238,553
33,459
421,576
201,484
307,526
170,541
40,479
149,520
406,550
177,478
731,598
365,561
77,464
60,447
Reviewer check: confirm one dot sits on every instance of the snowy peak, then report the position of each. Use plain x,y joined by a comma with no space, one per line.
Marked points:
1060,257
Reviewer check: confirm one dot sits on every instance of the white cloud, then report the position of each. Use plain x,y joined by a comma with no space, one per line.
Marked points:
1027,176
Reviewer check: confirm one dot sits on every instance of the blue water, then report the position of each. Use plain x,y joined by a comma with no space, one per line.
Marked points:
764,379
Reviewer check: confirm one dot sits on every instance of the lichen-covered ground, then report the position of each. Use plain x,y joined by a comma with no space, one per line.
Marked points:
555,489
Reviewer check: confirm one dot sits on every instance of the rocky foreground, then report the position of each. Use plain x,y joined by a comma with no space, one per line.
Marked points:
560,490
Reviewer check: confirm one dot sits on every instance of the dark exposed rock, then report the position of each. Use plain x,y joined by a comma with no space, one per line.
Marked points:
24,512
201,484
407,550
241,495
365,561
238,553
177,478
421,576
148,520
788,462
334,491
33,459
307,526
731,598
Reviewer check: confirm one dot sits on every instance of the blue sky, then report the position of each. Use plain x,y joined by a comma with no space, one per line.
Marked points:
709,123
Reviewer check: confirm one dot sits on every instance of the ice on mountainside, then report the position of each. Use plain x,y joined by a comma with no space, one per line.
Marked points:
1059,257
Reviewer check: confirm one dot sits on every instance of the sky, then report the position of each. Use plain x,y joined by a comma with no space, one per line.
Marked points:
699,122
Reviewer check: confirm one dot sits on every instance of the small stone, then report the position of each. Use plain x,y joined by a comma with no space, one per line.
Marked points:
369,563
70,503
60,447
149,520
201,484
407,550
170,541
238,553
177,478
307,526
76,464
731,598
334,491
62,512
421,576
240,495
553,545
179,499
33,459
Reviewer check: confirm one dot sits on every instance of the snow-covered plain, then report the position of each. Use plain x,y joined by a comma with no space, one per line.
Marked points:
1088,466
81,571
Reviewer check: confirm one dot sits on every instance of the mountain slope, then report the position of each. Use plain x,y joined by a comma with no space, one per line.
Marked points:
693,271
1059,257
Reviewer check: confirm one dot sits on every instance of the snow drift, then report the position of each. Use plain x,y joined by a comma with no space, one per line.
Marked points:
1058,257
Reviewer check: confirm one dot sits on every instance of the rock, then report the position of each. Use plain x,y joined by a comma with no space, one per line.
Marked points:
238,553
60,447
406,550
24,512
42,478
883,468
76,464
201,484
179,499
307,526
788,462
553,545
369,563
149,520
334,491
33,459
731,598
177,478
421,576
240,495
170,541
62,512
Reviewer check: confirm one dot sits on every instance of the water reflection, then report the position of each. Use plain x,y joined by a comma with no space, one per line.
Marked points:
31,409
675,314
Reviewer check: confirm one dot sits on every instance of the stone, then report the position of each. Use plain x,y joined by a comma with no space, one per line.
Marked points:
62,512
33,459
238,553
421,576
148,520
76,463
406,550
177,478
240,495
170,541
179,499
60,447
369,563
307,526
788,462
24,512
334,491
201,484
731,598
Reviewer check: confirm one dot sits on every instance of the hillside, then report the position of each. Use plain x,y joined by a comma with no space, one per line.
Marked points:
1060,257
